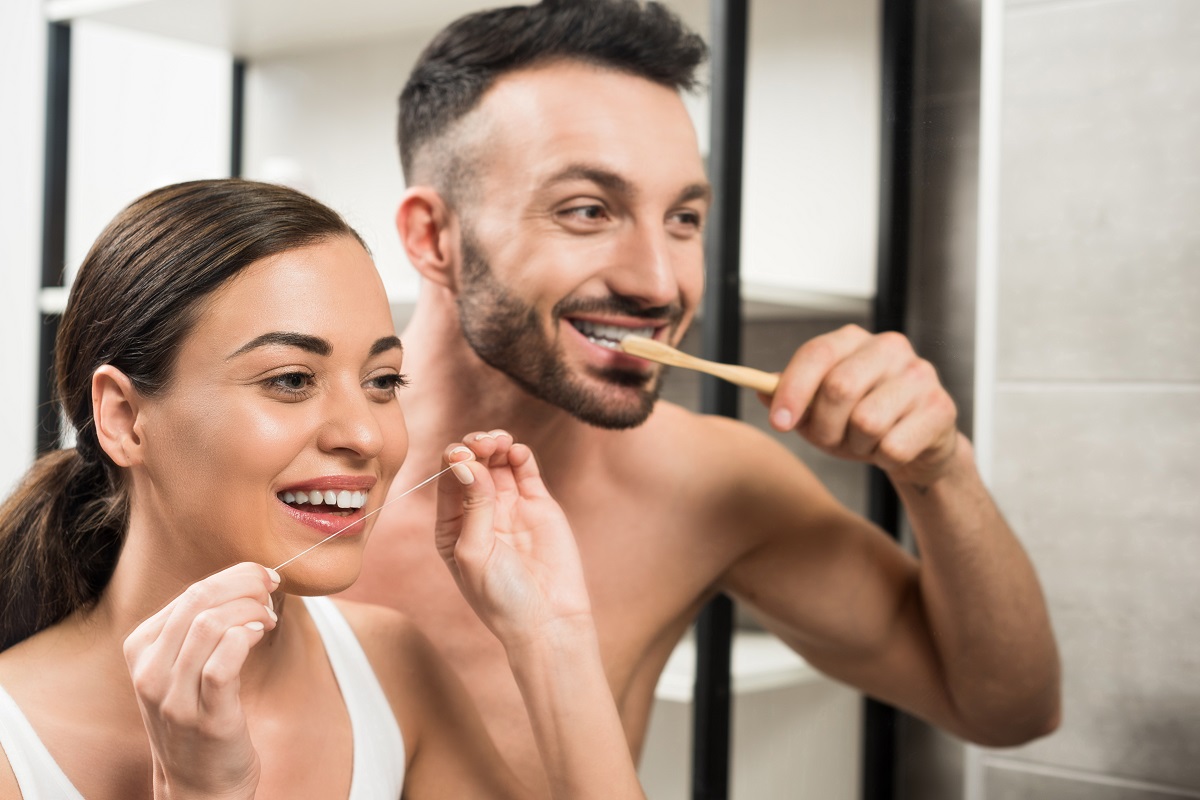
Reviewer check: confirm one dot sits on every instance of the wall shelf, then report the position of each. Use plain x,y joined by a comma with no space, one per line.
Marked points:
261,28
760,663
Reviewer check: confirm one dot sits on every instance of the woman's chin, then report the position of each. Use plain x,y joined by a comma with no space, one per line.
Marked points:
320,577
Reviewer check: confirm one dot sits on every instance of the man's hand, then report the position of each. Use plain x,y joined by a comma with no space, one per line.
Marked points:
869,397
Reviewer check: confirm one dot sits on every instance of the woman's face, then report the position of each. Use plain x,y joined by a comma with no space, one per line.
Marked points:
283,398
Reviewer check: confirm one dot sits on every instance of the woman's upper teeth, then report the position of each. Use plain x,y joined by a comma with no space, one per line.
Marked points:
609,334
329,497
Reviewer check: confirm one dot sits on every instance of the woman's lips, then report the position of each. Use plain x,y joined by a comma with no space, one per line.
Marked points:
329,504
347,522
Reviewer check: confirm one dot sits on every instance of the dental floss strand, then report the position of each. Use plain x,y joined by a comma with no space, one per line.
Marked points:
364,516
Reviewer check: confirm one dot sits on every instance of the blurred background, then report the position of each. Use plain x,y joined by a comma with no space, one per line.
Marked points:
1054,281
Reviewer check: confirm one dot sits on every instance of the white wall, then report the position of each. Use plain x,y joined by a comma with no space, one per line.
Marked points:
22,65
145,112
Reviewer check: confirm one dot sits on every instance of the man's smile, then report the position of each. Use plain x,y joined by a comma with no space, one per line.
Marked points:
609,335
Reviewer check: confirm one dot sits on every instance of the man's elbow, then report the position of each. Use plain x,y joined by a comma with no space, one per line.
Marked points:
1013,732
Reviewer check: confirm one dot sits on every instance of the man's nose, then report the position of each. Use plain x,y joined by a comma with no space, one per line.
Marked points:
646,269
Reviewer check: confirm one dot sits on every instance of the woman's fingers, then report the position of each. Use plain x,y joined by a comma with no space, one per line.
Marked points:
169,627
167,653
525,471
209,627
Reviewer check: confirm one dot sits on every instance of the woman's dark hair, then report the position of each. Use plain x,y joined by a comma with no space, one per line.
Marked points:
464,60
134,299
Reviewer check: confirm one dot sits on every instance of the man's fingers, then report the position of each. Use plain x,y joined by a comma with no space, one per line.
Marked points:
875,415
800,380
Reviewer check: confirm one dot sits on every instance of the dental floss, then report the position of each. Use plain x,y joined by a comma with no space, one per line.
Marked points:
364,516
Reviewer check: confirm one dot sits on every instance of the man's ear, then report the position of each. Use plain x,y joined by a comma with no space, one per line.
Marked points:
429,233
116,405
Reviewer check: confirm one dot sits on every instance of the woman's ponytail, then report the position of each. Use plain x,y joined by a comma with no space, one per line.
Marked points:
60,535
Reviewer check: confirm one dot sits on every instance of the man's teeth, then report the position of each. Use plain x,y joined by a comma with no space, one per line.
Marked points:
344,499
608,335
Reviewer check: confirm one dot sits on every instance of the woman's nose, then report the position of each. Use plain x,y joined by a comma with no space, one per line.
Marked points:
351,424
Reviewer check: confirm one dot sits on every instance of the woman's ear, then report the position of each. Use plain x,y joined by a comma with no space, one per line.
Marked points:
429,233
115,408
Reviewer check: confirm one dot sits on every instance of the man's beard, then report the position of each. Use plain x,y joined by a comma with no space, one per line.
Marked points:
506,333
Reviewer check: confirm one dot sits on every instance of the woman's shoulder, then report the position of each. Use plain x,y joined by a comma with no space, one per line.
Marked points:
399,653
401,656
378,627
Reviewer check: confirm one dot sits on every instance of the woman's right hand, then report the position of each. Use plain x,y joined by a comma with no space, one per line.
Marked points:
186,662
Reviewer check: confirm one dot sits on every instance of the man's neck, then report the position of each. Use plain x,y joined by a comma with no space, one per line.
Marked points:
454,392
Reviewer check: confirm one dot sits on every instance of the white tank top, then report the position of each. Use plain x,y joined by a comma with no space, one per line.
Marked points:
378,771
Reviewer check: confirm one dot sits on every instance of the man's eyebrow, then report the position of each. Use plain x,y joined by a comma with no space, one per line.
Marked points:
601,177
304,341
696,191
385,344
613,182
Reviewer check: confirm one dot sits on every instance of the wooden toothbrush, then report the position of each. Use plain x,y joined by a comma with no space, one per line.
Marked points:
658,352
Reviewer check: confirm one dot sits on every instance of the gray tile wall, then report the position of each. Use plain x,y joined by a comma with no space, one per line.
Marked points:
1098,397
1097,406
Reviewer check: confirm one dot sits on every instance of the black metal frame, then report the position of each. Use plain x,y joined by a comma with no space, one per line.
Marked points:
897,91
721,340
54,221
721,334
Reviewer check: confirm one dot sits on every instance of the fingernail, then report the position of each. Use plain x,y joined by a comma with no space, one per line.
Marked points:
782,419
273,575
271,613
255,625
461,449
463,473
496,434
484,436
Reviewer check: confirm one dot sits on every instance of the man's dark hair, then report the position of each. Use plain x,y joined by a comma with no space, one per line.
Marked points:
464,60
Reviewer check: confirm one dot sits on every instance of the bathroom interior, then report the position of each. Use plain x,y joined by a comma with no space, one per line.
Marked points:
1051,179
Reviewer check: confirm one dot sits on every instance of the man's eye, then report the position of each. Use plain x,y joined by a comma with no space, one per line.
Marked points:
690,218
588,212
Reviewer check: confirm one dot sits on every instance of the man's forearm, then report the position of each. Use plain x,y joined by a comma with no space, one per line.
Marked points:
984,606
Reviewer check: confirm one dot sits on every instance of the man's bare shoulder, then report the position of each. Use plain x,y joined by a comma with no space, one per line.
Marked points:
679,434
723,468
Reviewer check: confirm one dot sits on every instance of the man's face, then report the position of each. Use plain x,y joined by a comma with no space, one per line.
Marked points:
582,225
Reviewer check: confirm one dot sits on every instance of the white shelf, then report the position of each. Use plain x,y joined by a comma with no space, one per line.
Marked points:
762,300
760,663
322,89
53,300
257,28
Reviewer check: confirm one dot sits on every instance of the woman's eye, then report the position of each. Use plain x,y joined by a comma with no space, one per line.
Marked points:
292,384
385,385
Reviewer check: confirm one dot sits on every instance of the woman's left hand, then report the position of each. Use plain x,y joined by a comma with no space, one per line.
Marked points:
506,540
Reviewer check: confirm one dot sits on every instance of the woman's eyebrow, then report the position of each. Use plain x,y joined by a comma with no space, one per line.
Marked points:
384,344
304,341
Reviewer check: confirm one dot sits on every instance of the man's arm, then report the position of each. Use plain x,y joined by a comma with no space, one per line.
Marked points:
962,636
